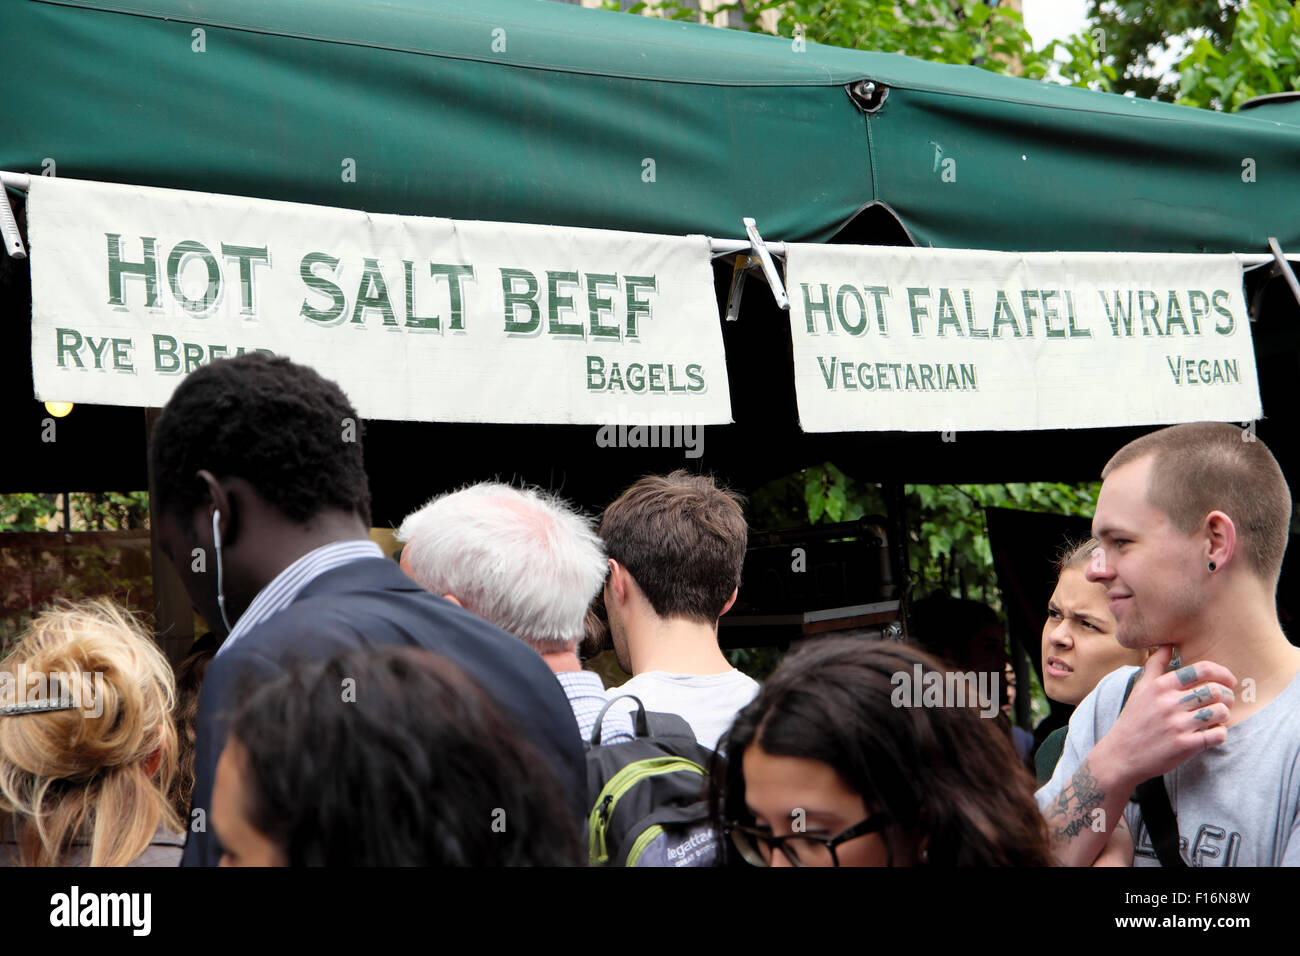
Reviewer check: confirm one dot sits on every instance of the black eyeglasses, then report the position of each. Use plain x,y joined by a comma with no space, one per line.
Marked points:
801,849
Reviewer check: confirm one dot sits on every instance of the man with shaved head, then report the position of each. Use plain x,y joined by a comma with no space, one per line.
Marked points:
1193,522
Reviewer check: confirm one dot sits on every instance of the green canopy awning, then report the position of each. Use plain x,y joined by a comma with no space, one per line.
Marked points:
526,111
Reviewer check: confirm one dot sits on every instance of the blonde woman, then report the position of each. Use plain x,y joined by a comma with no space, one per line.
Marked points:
87,743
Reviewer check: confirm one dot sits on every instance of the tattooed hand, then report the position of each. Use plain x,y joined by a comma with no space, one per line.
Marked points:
1170,718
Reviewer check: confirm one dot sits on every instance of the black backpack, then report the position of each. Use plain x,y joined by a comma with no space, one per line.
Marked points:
1157,813
647,796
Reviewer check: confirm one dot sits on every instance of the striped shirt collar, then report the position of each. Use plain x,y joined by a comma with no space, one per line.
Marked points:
285,586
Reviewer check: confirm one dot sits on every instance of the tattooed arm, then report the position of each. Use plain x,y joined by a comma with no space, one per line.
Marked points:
1083,816
1170,717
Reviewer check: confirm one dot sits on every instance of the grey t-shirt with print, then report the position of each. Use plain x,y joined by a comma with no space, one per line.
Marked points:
1238,804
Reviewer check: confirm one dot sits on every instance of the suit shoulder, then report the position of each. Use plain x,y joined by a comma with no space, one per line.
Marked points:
325,624
322,621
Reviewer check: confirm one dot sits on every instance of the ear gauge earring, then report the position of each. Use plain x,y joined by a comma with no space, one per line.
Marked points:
1212,565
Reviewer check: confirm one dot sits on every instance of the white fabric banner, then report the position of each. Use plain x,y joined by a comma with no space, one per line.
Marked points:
416,318
904,339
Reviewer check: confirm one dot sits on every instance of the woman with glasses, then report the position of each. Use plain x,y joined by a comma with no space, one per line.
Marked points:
833,765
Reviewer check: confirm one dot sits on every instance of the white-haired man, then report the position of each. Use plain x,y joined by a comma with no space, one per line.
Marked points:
527,562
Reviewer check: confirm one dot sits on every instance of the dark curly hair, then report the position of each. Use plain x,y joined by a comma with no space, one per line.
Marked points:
940,772
189,681
278,425
417,768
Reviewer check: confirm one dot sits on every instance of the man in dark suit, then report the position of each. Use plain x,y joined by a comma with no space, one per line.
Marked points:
264,509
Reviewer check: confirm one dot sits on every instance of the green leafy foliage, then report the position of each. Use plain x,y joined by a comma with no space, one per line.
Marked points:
1236,49
757,662
948,543
27,512
1137,35
672,10
90,511
33,573
1262,55
965,32
37,569
949,548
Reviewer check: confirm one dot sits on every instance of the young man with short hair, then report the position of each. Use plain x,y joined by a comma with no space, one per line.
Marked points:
676,544
1193,522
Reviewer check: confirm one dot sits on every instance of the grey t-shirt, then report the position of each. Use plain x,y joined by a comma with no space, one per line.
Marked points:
1238,804
163,850
708,702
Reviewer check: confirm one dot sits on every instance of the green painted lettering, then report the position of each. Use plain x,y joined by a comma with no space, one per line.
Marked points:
117,269
334,313
372,293
180,257
455,275
918,311
811,308
948,313
596,304
1003,314
246,255
528,299
68,342
855,328
635,305
555,302
1226,313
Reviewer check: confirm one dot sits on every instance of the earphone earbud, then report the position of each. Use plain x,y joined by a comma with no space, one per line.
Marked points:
221,589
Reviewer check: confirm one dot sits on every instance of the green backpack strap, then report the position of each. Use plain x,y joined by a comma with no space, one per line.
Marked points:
1157,812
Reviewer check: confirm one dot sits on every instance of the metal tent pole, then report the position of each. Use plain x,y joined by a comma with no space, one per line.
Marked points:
754,244
1283,266
13,241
